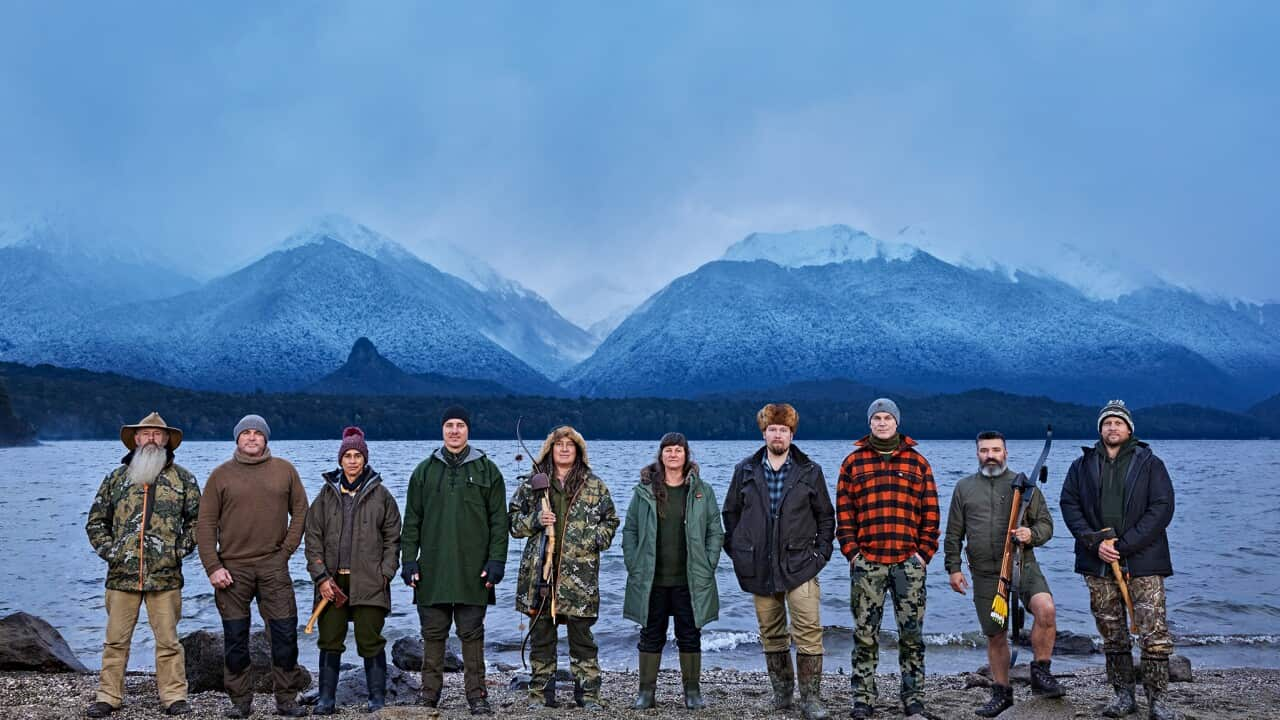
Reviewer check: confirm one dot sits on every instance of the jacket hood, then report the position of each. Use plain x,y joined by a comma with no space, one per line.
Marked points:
564,431
473,455
652,473
334,477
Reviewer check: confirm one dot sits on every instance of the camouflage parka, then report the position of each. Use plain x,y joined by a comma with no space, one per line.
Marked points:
144,532
589,529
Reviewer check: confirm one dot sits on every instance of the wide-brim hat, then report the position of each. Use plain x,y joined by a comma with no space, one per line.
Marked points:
151,421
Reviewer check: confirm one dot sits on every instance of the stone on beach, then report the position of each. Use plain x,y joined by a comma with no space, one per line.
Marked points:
29,643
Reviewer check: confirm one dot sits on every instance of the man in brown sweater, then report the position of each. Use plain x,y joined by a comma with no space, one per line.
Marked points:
251,521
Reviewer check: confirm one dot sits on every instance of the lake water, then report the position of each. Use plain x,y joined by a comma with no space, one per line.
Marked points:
1224,600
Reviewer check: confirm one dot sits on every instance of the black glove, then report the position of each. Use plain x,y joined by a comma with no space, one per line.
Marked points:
494,571
407,571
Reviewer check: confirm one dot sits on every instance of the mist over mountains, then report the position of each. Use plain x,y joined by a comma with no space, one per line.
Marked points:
777,309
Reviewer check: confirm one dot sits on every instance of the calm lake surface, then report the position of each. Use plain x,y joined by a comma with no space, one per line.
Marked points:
1224,600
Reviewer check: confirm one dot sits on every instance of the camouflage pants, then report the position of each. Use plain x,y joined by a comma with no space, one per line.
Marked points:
868,584
1107,604
583,655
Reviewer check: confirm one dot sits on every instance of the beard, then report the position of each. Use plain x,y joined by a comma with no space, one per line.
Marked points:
992,470
146,464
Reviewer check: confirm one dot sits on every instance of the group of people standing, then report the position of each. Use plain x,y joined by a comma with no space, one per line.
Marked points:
778,526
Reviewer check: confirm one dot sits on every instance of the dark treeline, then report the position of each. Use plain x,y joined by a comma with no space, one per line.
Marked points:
77,404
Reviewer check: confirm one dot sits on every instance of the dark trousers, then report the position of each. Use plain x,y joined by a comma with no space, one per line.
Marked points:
469,623
267,581
670,602
368,620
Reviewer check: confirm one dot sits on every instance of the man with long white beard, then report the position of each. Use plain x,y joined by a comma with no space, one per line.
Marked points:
143,523
979,516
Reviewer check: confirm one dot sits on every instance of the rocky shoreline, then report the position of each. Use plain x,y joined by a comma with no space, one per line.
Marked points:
731,695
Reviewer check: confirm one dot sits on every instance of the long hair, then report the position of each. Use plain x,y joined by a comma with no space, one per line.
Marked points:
577,474
658,479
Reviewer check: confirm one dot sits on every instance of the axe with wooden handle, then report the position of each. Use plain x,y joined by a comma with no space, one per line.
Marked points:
339,599
1107,536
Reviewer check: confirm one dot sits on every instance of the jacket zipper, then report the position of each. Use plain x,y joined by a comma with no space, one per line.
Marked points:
142,539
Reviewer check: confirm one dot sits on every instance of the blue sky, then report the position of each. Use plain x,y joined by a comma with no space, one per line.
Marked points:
594,151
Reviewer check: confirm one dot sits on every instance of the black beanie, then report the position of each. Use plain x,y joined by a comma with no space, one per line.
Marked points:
456,412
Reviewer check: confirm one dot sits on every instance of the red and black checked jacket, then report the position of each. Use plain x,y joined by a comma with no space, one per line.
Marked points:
887,509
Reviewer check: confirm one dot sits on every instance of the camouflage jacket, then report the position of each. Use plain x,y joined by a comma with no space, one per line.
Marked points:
588,532
144,532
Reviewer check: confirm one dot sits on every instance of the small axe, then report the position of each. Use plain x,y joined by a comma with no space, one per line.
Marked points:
1107,536
339,599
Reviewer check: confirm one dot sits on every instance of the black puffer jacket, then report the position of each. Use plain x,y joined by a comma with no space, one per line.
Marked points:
1148,508
778,554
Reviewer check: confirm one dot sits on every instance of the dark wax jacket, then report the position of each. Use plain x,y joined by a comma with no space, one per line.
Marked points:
375,539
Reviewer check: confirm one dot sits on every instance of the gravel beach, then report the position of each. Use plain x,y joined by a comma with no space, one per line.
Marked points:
731,695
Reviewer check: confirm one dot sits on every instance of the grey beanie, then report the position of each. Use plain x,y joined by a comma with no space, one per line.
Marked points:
884,405
1115,408
252,422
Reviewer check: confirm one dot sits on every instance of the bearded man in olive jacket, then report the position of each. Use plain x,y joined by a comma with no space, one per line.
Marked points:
454,551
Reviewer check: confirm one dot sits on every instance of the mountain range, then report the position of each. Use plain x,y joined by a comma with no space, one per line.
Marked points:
778,310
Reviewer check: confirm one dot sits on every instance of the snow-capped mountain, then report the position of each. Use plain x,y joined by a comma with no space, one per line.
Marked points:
895,316
501,309
53,269
287,320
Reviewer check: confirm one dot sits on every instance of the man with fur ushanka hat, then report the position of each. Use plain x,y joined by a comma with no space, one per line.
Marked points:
1120,485
142,523
584,521
778,525
454,552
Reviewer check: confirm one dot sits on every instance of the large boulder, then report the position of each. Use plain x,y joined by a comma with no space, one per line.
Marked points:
29,643
204,661
406,654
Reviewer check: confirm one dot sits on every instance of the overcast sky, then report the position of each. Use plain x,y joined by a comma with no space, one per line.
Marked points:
595,151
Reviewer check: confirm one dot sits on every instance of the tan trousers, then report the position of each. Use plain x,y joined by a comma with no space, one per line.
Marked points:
804,604
163,610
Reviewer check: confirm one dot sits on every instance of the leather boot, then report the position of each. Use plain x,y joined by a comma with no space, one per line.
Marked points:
1043,683
691,678
1001,700
1120,675
375,678
432,672
330,663
1155,681
649,663
783,678
809,676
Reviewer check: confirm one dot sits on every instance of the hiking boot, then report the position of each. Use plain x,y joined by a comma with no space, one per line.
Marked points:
1120,675
375,680
479,706
291,708
100,710
649,663
861,710
809,675
1001,700
240,708
691,675
330,664
783,678
178,707
913,709
1155,681
1043,683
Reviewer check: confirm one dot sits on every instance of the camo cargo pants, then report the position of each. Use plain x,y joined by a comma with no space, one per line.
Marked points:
583,660
868,583
1107,604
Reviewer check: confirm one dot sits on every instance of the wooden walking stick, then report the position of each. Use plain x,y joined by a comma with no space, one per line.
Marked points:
1108,538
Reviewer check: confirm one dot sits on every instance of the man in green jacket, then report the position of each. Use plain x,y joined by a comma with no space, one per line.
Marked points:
979,515
142,524
454,551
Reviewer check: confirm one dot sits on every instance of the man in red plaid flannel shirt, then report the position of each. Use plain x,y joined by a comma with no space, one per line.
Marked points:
887,524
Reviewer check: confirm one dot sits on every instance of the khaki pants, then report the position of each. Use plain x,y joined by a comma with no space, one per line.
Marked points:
804,604
163,610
